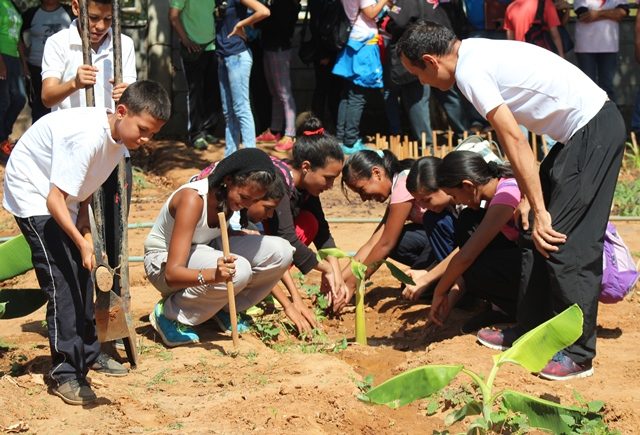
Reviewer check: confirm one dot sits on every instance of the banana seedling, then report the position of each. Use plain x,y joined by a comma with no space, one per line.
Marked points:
359,270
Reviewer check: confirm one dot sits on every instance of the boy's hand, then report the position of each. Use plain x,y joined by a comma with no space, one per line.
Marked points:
85,76
298,317
87,255
118,90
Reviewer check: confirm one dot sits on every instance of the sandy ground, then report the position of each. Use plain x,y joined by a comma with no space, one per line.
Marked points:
285,388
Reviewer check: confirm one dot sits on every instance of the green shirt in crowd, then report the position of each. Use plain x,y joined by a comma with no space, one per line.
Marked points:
10,24
197,19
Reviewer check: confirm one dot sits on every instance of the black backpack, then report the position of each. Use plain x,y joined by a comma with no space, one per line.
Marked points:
329,24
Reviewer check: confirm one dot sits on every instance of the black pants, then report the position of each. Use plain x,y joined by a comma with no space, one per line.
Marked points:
578,181
204,102
38,109
326,94
70,310
494,276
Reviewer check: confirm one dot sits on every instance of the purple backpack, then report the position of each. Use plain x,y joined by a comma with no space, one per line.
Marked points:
619,273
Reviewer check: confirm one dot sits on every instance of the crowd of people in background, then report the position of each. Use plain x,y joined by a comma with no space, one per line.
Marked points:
457,224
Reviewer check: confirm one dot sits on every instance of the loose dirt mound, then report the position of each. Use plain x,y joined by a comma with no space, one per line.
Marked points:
202,389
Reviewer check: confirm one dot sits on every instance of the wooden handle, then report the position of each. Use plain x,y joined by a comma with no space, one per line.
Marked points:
222,221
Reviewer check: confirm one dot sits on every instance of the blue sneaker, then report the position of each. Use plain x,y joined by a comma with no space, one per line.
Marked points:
357,146
172,332
223,319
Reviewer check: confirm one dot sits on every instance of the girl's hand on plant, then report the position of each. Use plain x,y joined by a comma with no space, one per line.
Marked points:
295,315
225,269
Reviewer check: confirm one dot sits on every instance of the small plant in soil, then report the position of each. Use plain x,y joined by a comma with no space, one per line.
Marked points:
359,270
507,410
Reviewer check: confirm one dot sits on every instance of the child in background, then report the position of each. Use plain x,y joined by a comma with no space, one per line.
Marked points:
49,194
379,176
183,252
439,220
299,218
487,260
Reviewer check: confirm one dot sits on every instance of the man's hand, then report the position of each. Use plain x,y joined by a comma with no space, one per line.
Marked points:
521,214
191,46
544,236
85,76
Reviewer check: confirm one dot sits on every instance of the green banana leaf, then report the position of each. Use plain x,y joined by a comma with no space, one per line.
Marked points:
15,257
399,274
358,269
545,414
536,348
472,408
16,303
331,252
412,385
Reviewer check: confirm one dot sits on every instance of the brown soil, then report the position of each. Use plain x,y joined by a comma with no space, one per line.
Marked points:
202,389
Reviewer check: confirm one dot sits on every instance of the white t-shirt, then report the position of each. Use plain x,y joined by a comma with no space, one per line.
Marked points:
601,36
160,235
363,27
44,24
71,149
63,55
546,94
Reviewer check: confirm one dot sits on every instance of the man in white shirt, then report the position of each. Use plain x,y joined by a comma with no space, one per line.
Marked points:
571,197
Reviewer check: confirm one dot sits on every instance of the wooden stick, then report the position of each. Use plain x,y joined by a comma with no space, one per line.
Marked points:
222,221
86,46
424,143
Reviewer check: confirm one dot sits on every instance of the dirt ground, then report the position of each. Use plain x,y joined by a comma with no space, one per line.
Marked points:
285,388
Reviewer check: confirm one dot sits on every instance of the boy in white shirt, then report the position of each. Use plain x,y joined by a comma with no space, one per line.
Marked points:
49,179
65,77
571,197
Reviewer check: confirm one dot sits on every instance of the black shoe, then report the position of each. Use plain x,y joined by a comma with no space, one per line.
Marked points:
75,392
485,318
109,366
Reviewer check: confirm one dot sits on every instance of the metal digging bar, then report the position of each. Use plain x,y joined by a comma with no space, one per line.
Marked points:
113,318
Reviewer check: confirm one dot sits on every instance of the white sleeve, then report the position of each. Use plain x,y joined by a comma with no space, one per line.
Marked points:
70,174
480,88
53,58
129,73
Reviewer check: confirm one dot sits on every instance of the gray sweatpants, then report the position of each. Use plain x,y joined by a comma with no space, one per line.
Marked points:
261,262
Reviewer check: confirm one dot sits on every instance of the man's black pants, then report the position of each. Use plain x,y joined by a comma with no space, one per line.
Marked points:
578,182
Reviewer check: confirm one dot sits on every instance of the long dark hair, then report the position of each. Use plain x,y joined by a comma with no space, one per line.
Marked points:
458,166
315,145
423,175
360,164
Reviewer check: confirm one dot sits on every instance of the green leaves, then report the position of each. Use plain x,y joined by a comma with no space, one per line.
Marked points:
359,270
545,414
2,309
399,274
331,252
536,348
411,385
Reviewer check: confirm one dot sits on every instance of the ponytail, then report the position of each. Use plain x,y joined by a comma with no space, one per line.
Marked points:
458,166
360,165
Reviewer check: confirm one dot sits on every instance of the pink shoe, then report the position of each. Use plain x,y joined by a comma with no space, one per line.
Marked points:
284,144
268,137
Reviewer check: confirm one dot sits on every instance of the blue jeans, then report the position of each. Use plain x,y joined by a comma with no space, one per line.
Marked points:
234,72
601,68
350,110
12,96
415,100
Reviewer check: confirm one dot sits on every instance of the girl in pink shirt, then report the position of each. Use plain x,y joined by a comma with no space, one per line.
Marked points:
486,263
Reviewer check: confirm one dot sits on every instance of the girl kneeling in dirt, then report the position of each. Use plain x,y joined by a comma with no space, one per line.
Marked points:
183,257
439,221
299,218
379,176
486,263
